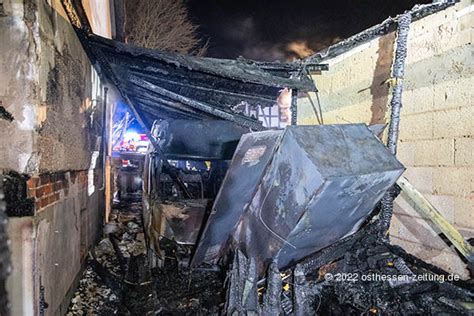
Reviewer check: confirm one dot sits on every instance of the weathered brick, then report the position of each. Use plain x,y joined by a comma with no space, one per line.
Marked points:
32,182
451,262
31,193
415,100
53,198
39,192
464,151
447,259
48,188
454,93
44,202
455,122
44,179
457,181
434,152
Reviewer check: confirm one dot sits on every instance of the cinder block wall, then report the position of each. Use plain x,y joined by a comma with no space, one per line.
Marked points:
436,141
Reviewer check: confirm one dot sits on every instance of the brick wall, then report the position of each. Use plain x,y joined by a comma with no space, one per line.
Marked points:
48,189
436,141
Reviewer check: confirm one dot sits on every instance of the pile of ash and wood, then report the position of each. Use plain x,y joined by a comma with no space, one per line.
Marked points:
119,278
360,275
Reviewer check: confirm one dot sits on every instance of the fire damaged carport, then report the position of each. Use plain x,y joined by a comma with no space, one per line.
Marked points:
234,217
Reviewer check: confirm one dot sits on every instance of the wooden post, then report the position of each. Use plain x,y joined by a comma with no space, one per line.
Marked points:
108,162
428,211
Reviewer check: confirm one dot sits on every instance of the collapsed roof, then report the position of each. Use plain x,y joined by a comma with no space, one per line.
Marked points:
167,85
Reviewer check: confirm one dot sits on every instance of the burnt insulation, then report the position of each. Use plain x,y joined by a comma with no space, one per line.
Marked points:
16,199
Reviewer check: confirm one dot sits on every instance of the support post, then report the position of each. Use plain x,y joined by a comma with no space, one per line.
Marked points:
398,71
294,102
108,162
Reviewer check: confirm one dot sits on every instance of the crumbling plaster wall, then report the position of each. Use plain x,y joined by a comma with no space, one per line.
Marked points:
436,141
49,87
19,77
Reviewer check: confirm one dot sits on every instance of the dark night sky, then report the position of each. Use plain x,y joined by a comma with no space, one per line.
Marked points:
268,29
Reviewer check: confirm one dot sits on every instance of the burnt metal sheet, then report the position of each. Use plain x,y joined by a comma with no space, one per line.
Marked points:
241,181
199,139
182,221
309,187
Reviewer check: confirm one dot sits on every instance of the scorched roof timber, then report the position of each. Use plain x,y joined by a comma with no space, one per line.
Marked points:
167,85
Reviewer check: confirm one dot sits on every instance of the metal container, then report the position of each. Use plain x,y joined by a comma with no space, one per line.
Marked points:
290,193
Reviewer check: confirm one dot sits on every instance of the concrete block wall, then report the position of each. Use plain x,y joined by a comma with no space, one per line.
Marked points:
436,141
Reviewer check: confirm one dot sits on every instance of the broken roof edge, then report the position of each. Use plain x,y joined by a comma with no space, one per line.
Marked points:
257,72
417,12
240,69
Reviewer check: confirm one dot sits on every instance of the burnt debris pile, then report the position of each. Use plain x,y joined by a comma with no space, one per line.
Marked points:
361,274
117,279
371,276
120,280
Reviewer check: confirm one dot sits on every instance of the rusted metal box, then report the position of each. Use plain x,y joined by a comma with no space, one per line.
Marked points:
290,193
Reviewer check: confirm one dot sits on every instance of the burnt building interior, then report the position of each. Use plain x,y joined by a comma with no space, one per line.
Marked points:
169,189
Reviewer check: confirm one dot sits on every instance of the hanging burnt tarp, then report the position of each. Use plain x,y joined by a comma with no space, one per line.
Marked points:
290,193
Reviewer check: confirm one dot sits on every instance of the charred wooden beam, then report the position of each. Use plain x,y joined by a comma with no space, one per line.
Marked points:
158,104
242,298
389,25
240,119
272,297
294,107
301,292
159,112
398,72
172,73
215,94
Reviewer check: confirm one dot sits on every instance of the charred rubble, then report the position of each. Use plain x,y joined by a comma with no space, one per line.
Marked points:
343,280
119,278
